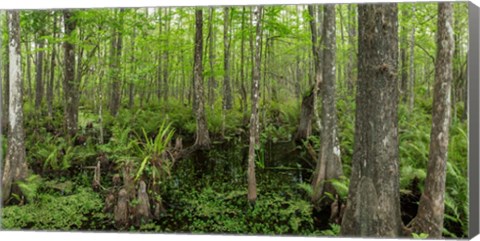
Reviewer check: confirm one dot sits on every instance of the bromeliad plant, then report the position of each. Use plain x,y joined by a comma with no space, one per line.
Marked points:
156,162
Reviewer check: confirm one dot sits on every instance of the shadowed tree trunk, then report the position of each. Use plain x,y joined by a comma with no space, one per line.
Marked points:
243,88
227,91
39,72
252,181
308,101
52,69
15,168
29,67
373,204
329,165
202,139
211,59
70,87
430,214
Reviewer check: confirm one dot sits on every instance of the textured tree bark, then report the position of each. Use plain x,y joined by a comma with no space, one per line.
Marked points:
430,214
143,213
227,91
202,139
70,87
252,181
121,210
375,165
329,165
15,166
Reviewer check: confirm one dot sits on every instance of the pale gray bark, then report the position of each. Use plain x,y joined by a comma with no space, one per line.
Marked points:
328,164
15,168
254,122
430,214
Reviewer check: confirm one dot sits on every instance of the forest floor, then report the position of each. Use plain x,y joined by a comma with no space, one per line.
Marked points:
204,192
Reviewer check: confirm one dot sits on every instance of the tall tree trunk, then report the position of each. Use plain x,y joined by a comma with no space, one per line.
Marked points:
252,181
329,165
159,56
298,77
39,73
202,139
227,91
211,59
458,78
70,86
15,168
133,71
243,88
52,69
373,204
116,68
166,56
430,214
309,101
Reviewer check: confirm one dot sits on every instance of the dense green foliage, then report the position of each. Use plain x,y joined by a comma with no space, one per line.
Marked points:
206,192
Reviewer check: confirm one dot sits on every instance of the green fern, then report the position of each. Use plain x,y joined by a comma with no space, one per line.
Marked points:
30,187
